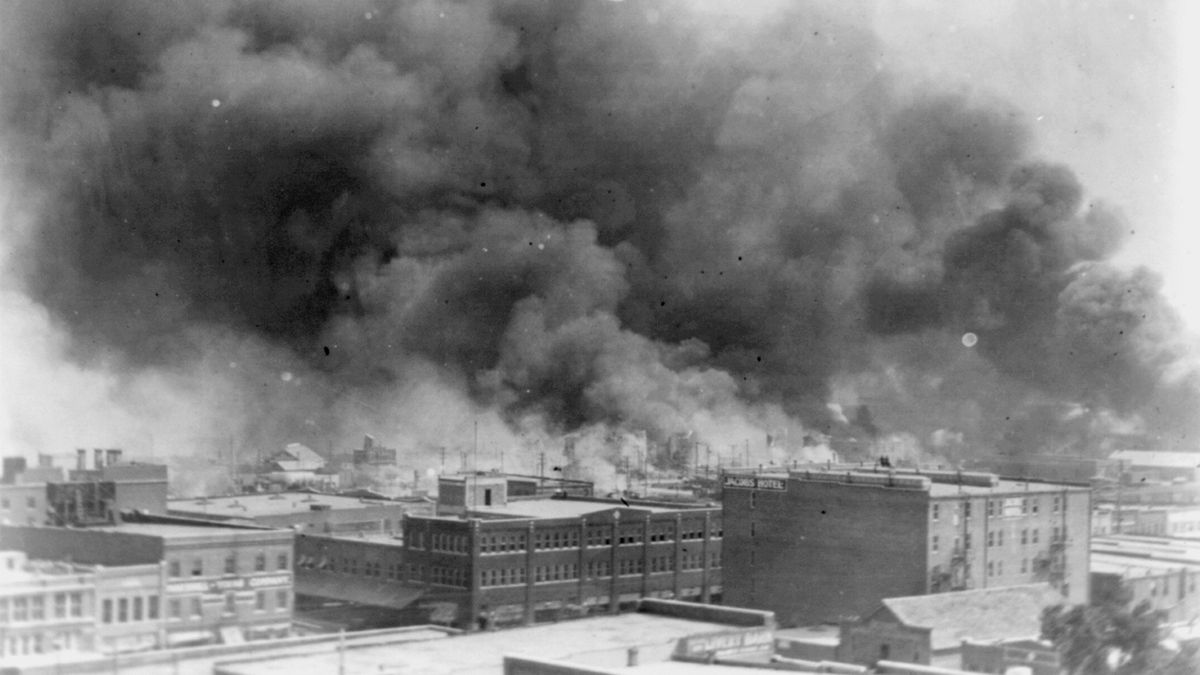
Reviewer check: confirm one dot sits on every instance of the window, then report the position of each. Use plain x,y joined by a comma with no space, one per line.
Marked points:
1034,535
173,568
283,561
1024,565
106,613
260,562
1034,505
60,605
991,509
966,509
935,543
152,607
123,610
260,600
991,569
75,601
752,528
31,502
198,567
137,608
999,537
753,498
21,609
967,540
1024,537
230,564
281,599
1055,505
37,608
4,503
991,539
197,610
230,603
173,608
936,511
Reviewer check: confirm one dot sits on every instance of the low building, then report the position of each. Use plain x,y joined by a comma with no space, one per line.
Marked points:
304,512
1035,657
1138,466
931,629
817,545
216,584
1163,572
86,496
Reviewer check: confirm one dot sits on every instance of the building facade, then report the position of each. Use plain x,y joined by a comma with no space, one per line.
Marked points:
44,607
205,584
523,560
817,546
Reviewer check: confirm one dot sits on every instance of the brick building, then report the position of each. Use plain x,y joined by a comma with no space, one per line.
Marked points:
816,546
44,607
502,561
208,584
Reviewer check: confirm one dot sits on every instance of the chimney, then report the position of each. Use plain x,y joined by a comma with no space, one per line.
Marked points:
99,463
114,456
368,442
80,459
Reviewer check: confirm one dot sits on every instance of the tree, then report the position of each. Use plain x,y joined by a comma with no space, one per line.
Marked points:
1105,638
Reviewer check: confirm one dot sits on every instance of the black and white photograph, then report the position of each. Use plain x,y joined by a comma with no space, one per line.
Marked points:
599,337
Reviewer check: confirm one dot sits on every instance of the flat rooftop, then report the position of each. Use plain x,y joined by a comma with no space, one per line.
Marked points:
1143,548
567,508
1131,567
180,531
944,486
270,504
581,640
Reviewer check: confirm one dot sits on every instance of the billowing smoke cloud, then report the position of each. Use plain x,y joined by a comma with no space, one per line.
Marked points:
414,218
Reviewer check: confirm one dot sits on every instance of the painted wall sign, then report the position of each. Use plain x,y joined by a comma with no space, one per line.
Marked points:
755,482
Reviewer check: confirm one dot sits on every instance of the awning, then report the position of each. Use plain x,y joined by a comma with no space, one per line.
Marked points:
377,593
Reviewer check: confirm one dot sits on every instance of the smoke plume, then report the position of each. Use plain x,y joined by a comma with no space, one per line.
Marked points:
266,221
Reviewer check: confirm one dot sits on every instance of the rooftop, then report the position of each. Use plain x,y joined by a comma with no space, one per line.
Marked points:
938,483
1130,567
179,530
582,640
1154,458
980,615
564,508
268,504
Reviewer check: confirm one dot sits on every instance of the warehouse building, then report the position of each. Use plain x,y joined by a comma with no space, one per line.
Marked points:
304,512
817,546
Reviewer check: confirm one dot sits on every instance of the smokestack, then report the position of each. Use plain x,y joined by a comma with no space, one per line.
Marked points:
114,456
80,459
99,462
13,467
368,442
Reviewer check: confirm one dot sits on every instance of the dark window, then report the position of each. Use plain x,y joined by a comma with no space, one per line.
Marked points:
173,608
230,603
137,609
106,613
281,599
152,607
260,562
123,610
174,568
283,561
198,567
230,564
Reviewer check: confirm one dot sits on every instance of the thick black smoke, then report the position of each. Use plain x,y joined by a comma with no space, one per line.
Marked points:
575,213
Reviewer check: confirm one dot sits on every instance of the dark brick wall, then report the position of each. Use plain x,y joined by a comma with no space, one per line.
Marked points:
823,551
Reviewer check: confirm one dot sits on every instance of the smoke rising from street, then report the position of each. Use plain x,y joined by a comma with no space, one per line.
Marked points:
548,218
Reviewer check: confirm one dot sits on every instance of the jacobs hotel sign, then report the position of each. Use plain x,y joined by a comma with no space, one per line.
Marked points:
743,482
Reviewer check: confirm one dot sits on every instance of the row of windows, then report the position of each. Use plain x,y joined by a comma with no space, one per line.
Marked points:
40,607
448,576
502,543
30,503
193,607
995,538
196,566
997,507
129,609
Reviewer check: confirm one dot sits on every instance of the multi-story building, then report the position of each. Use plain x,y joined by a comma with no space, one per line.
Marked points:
214,583
496,560
44,607
816,546
41,496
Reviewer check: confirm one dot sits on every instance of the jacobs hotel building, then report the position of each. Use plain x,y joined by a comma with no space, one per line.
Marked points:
818,546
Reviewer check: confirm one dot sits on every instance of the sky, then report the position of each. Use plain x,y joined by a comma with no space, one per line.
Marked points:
939,225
